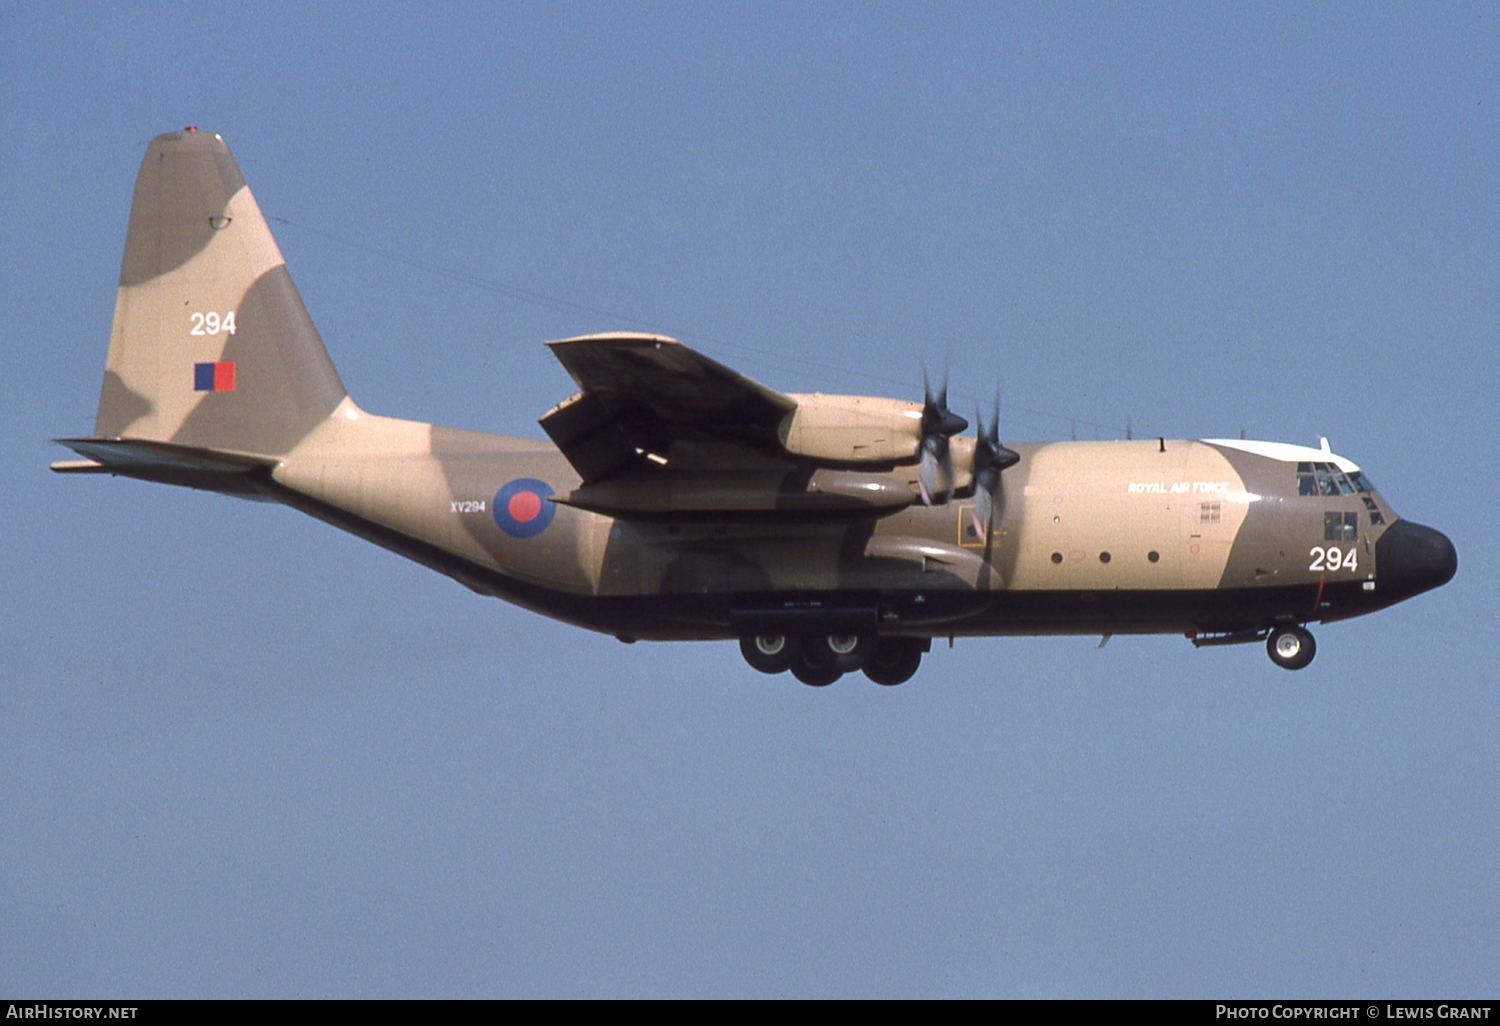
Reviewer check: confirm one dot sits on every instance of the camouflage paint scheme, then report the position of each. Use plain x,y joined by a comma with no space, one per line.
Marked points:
757,512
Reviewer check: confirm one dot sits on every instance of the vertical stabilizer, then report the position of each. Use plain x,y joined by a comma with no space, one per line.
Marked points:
211,346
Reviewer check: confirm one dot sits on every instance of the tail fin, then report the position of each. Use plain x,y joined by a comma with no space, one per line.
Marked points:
211,346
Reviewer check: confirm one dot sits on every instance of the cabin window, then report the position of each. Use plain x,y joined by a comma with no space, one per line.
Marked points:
1210,512
1376,518
1341,527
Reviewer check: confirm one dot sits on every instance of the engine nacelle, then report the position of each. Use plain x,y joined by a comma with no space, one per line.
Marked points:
852,429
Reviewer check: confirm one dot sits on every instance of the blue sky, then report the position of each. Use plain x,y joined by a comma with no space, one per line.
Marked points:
243,754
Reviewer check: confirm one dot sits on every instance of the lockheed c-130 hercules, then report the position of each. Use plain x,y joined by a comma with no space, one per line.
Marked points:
679,500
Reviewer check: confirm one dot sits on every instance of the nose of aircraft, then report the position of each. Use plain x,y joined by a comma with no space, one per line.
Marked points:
1411,558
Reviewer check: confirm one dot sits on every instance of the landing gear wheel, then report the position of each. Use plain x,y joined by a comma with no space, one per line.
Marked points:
769,653
1291,648
815,664
816,676
848,651
894,661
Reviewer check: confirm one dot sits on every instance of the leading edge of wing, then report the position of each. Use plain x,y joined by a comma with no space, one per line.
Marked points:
640,394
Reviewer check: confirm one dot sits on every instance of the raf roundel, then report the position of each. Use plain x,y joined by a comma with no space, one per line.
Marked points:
521,508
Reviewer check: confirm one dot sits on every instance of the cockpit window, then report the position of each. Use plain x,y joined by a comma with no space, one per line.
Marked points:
1327,479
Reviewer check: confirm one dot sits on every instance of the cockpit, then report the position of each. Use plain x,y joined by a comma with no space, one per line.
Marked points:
1314,478
1328,479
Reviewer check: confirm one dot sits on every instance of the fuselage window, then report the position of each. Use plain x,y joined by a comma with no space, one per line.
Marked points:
1376,517
1341,527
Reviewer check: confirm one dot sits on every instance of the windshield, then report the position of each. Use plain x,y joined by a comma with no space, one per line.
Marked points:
1328,479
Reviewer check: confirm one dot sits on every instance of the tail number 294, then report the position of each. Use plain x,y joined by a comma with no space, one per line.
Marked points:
212,323
1334,558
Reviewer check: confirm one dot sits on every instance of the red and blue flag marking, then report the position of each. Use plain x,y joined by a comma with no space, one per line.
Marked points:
521,508
213,377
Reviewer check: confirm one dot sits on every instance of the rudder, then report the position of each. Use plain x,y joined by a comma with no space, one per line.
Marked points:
211,346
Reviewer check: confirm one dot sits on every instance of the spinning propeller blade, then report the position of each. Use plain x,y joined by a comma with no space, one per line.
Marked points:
990,460
939,424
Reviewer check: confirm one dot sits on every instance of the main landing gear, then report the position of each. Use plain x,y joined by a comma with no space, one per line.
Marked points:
819,660
1291,648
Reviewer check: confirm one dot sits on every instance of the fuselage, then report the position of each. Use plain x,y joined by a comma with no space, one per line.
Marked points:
1148,536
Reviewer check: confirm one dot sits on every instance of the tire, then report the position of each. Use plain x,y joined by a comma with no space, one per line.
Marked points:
894,661
847,651
1291,648
769,653
819,676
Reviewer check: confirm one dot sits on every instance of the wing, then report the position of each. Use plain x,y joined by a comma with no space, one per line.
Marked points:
641,395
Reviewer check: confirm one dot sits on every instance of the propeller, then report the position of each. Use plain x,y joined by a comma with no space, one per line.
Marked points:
938,425
990,459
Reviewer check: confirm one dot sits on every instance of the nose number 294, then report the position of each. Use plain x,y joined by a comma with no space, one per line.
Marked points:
1333,558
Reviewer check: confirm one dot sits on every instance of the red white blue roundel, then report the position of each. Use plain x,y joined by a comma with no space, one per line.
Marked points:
521,508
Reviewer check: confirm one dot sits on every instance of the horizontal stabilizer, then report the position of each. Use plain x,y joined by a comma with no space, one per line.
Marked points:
164,462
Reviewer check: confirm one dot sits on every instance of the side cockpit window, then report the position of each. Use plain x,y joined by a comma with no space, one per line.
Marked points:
1342,527
1307,484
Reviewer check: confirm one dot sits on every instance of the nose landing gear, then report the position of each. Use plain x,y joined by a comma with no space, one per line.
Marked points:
1291,648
